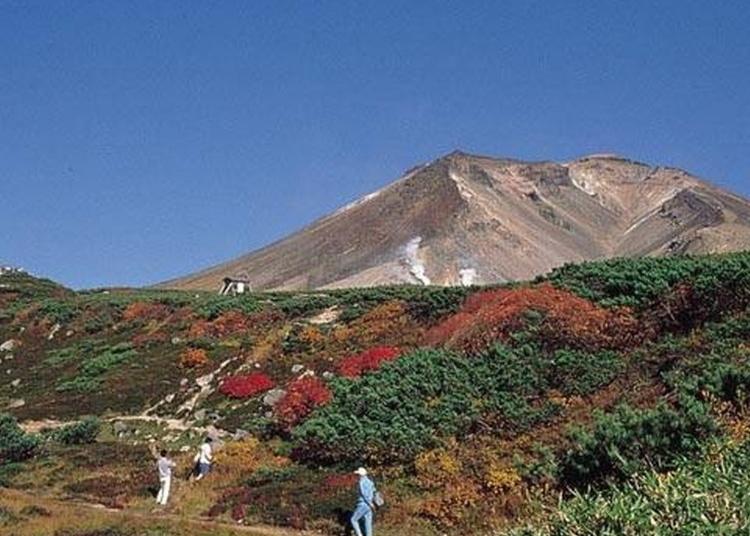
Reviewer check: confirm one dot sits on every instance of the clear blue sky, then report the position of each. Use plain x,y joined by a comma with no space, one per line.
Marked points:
144,140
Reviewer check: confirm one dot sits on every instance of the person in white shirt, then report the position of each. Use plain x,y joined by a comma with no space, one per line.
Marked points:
164,466
205,457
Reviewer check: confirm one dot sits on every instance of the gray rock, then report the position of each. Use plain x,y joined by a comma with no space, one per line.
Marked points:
204,381
53,332
9,357
200,415
184,382
16,383
273,397
327,375
296,369
120,428
69,333
16,403
9,345
176,340
240,434
169,398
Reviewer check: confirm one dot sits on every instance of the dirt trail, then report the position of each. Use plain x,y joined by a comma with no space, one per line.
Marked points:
257,530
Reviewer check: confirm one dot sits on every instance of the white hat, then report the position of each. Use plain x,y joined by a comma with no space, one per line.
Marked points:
361,471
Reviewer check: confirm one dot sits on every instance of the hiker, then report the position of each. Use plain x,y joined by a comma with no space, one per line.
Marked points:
365,503
204,458
165,466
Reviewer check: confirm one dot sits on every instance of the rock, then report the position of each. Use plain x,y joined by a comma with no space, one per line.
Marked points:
204,381
16,403
120,428
240,434
184,382
69,333
257,365
9,345
184,448
169,398
9,371
327,375
176,340
53,331
199,415
9,357
16,383
273,397
296,369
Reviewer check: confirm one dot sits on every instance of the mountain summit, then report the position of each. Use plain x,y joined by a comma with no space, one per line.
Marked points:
466,219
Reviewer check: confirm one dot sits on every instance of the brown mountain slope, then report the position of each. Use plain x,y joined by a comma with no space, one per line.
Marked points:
474,219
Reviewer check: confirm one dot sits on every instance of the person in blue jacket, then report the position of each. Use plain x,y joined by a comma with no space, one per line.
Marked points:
365,506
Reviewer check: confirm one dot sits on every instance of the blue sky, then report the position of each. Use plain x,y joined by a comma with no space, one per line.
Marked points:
144,140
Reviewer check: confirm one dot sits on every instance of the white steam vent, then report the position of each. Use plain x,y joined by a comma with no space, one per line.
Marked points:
416,267
467,276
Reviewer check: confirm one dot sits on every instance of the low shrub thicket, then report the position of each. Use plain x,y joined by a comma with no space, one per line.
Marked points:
410,404
15,444
79,433
627,440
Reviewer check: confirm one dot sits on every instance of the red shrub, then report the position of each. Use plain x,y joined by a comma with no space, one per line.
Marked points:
226,324
246,386
566,319
369,360
302,396
141,310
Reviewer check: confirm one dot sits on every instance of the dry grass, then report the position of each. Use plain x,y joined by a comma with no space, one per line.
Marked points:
50,517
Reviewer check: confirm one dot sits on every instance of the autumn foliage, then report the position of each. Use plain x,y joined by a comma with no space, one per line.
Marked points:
193,358
142,310
565,320
367,361
245,386
302,396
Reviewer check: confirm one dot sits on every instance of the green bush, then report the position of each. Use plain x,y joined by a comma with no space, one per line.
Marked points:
626,440
15,444
80,433
91,371
638,282
410,404
573,372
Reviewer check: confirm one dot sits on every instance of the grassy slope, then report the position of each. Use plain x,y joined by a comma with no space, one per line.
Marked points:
460,435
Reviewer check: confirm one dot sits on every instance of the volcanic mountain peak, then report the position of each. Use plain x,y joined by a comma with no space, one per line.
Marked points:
466,218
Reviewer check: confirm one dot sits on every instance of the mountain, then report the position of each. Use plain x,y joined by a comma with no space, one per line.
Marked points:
467,219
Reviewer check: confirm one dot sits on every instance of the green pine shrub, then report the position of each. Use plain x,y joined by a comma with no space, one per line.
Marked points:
15,444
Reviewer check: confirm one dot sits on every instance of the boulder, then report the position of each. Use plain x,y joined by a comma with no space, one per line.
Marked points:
9,345
53,331
240,434
296,369
205,381
120,428
16,403
273,397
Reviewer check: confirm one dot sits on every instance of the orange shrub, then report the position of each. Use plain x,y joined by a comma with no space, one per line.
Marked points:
193,358
566,320
141,310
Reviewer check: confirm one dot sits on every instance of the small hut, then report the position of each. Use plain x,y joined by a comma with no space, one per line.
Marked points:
232,286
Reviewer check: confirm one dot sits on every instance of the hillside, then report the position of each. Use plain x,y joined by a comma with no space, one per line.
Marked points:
466,219
525,409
